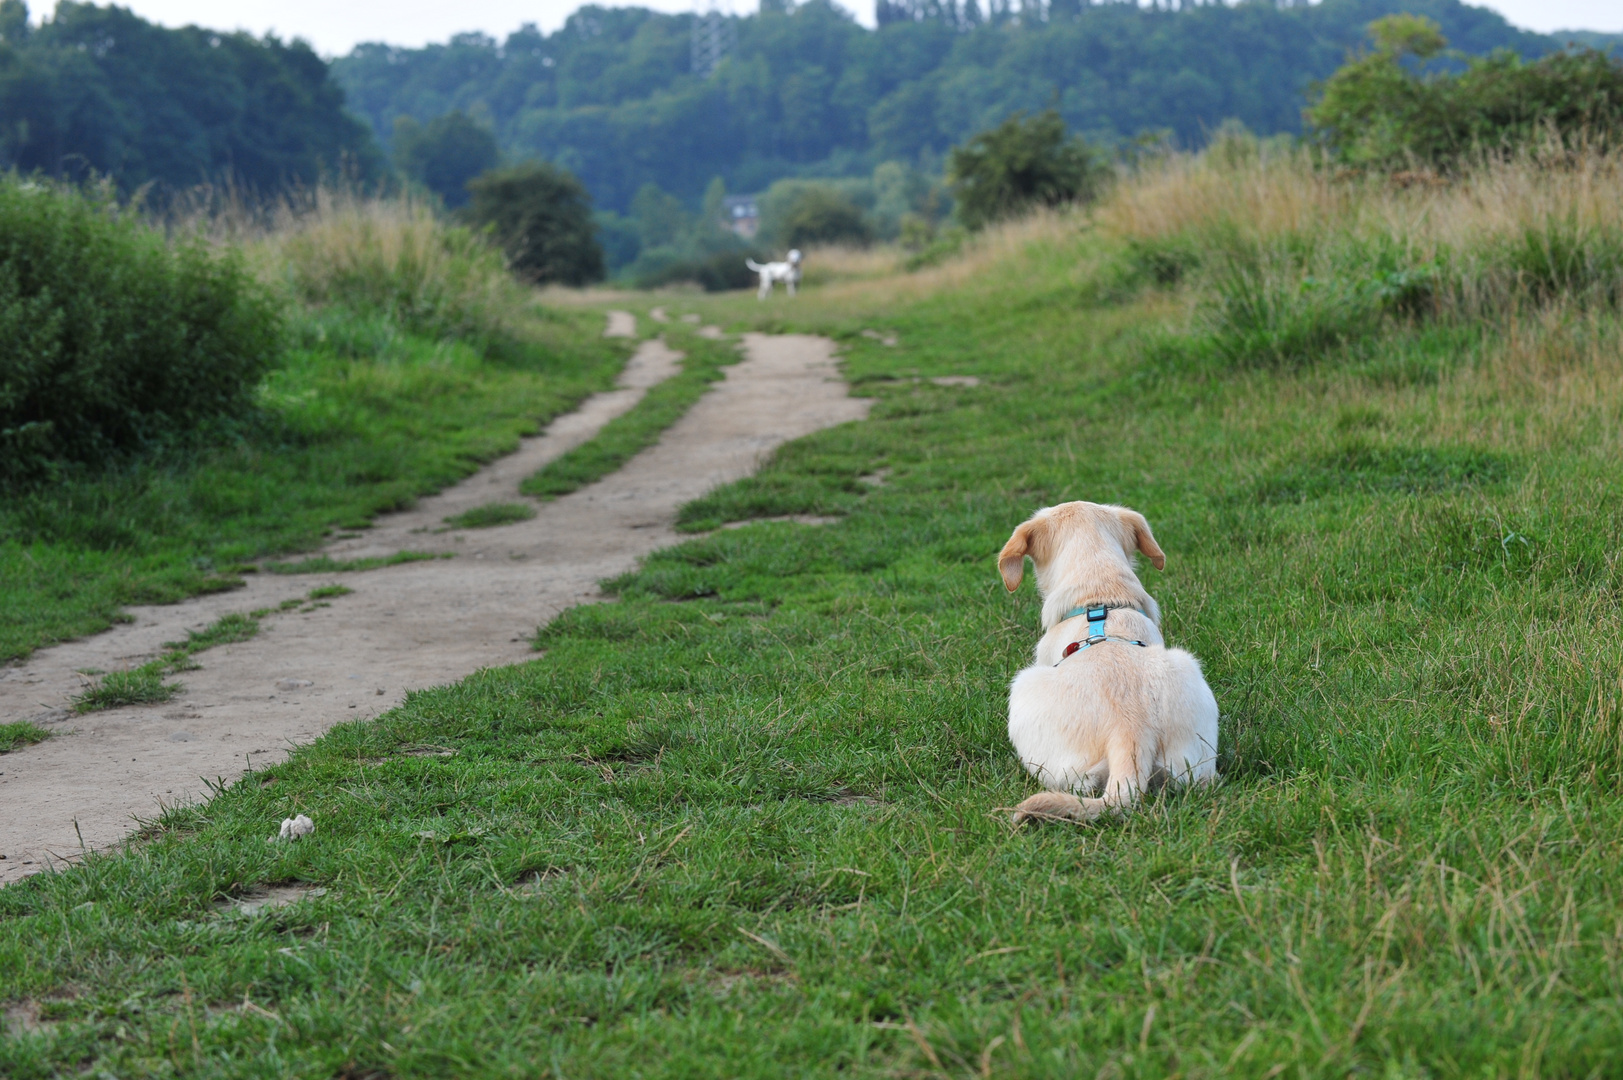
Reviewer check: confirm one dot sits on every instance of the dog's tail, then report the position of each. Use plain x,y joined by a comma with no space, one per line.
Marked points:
753,265
1058,806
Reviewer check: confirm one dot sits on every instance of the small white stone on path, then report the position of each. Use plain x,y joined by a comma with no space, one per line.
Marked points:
621,324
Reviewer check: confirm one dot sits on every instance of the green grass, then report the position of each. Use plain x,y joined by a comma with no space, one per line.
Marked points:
145,685
142,685
627,435
325,564
361,418
745,821
491,515
17,735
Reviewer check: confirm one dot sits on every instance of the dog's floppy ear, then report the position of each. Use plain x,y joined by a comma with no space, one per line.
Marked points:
1011,561
1144,539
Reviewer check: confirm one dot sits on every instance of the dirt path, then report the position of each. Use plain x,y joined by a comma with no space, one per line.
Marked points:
404,627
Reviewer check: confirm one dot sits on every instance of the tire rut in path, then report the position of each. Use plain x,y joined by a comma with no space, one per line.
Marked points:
405,627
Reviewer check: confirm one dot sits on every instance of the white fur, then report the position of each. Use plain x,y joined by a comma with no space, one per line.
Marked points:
1114,718
296,827
787,272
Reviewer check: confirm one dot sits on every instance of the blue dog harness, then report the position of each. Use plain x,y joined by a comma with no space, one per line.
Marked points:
1096,614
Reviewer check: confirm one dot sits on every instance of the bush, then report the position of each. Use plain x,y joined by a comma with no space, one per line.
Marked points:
822,215
542,218
1383,111
1019,164
111,340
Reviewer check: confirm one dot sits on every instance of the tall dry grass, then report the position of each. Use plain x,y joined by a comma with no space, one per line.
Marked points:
1514,232
1009,243
379,256
842,263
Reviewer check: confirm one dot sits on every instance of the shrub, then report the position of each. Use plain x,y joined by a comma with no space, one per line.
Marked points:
1019,164
542,218
822,215
1383,110
113,341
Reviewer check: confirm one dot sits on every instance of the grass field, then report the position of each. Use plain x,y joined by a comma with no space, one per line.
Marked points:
745,821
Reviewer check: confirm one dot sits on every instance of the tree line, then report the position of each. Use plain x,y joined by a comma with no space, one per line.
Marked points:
807,92
98,90
846,132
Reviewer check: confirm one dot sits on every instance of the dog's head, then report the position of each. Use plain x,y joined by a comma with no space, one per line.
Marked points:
1082,536
794,257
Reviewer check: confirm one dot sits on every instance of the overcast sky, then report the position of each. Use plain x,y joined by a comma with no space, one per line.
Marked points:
335,26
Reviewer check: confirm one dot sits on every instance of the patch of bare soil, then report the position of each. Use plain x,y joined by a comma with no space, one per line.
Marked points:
404,627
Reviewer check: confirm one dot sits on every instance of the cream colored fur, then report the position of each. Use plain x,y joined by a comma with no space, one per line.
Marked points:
1112,719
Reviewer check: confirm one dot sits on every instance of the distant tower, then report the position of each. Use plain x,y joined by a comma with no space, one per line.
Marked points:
713,38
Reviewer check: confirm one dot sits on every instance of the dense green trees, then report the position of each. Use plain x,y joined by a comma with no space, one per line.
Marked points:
808,92
444,154
100,89
1386,109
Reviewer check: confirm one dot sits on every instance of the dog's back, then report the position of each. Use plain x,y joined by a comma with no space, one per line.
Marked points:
1117,716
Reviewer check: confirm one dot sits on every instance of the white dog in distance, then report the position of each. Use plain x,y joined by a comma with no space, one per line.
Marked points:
1106,706
787,272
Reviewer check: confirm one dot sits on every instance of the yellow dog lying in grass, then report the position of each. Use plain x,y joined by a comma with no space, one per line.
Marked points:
1106,708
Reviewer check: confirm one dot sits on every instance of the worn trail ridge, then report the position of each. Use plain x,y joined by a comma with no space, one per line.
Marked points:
405,627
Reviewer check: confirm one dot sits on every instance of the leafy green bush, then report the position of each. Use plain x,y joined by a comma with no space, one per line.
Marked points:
823,215
112,340
1019,164
542,218
1383,110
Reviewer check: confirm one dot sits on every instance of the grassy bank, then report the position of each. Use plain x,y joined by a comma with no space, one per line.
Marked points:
744,822
410,358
